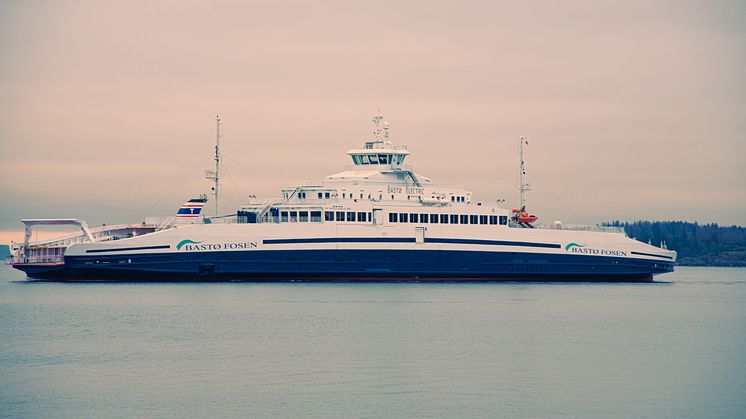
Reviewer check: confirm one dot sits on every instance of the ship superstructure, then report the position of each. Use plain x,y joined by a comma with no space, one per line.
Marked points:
376,220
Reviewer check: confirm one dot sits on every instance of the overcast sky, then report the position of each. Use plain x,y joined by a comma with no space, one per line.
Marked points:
633,110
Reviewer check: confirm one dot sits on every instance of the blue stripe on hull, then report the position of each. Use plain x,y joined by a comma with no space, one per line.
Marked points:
360,265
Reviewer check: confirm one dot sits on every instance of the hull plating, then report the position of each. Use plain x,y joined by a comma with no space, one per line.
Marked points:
355,265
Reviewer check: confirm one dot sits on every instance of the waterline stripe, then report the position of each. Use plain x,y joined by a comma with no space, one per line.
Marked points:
652,254
342,240
491,242
122,249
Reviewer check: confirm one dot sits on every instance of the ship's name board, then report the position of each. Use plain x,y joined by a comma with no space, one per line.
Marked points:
582,249
409,190
194,247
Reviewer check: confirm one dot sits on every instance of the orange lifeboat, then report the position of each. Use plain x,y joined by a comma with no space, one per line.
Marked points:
523,217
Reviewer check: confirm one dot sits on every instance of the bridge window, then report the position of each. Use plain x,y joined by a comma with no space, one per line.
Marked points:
364,159
482,219
350,216
423,218
403,217
493,219
473,219
329,216
464,219
433,218
303,216
393,217
454,219
444,218
373,158
414,218
361,217
383,159
340,216
503,220
400,158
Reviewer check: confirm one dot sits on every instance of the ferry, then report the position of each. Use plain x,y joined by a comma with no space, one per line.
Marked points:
377,220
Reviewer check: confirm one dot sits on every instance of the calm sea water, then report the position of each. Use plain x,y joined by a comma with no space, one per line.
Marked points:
674,349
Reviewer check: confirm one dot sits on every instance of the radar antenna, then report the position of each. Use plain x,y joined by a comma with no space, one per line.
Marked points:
377,118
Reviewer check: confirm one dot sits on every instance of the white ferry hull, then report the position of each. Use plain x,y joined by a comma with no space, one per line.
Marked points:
333,252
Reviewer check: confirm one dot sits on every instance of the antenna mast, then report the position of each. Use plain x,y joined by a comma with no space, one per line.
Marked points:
215,175
524,187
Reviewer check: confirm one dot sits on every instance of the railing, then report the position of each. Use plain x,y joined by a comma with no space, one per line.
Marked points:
580,227
38,259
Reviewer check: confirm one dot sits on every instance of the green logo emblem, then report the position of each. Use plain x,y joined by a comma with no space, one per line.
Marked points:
183,242
573,245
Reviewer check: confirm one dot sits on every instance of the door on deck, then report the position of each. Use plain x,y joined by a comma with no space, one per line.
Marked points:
377,216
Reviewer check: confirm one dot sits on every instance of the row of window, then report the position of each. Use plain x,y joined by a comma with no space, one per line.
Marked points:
404,217
345,195
378,158
362,217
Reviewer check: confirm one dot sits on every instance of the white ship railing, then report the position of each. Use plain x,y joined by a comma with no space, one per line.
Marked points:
581,227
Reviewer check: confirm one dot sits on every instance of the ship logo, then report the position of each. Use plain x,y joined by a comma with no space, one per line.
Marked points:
185,242
571,245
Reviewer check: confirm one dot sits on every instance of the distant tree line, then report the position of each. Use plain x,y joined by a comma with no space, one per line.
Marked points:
696,244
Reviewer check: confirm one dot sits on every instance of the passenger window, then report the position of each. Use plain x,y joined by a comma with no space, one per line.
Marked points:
444,218
329,216
423,218
433,218
361,217
284,217
293,216
303,216
493,219
454,219
340,216
482,219
503,220
403,217
350,216
393,217
414,218
326,195
472,219
315,216
464,219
